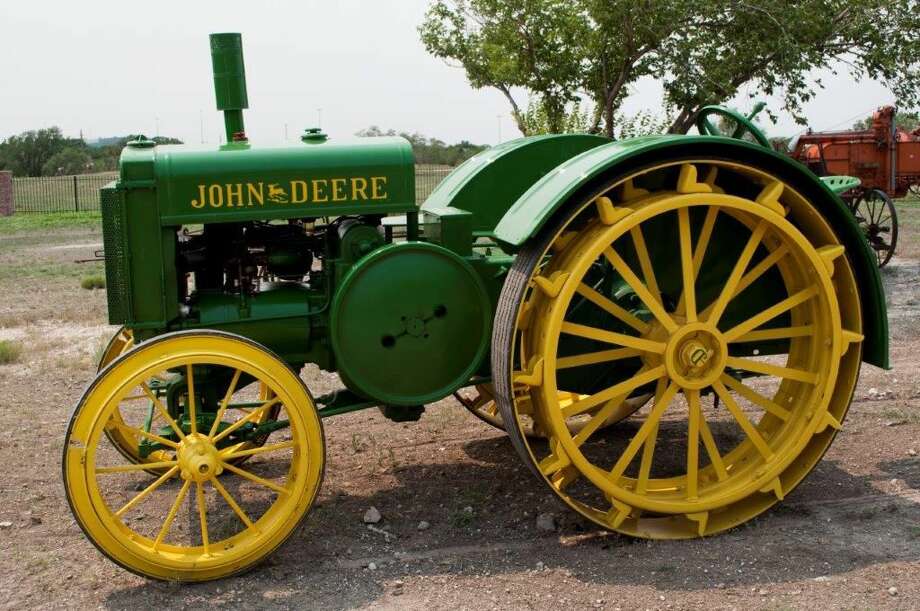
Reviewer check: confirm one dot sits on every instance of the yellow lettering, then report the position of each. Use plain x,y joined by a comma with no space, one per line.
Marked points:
376,192
256,195
355,189
338,190
216,195
319,194
200,202
299,193
235,192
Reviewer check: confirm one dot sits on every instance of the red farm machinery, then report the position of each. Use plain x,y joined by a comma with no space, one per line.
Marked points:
883,157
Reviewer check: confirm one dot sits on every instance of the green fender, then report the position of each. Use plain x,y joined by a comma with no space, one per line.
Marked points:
489,183
587,174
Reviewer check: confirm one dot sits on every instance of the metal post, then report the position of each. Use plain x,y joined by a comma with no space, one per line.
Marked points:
6,193
76,196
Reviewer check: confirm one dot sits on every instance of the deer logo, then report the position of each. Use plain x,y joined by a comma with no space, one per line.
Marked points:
276,194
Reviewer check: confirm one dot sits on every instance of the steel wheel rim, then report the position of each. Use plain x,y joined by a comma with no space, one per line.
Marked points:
111,530
639,517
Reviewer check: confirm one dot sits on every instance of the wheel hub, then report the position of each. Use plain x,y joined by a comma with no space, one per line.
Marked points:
198,458
695,356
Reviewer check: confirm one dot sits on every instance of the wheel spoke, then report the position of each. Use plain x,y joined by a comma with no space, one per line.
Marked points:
164,413
172,514
191,399
223,404
641,290
693,443
749,429
778,371
247,418
236,508
645,262
143,466
269,448
755,397
143,433
609,306
712,450
642,377
648,448
728,290
761,268
611,337
598,418
777,333
650,424
146,491
202,516
593,358
702,244
255,478
686,264
770,313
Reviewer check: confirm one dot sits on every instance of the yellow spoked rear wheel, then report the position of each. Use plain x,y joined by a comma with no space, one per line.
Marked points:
203,517
480,401
128,445
749,388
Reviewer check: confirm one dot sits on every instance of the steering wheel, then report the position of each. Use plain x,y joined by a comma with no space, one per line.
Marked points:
743,124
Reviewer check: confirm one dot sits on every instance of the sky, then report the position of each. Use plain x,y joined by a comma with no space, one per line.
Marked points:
105,68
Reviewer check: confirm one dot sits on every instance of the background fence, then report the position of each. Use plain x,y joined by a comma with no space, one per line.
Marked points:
48,194
59,193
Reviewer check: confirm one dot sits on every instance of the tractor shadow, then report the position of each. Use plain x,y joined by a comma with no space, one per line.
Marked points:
482,512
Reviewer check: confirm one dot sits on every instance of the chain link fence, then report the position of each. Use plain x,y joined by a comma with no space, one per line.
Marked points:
50,194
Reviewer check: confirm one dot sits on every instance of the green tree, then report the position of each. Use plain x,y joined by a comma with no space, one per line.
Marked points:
537,45
429,150
907,121
703,52
27,153
68,161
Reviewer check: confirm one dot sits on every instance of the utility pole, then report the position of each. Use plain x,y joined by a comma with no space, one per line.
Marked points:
285,132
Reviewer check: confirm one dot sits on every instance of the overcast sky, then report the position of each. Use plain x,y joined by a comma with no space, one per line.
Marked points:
118,67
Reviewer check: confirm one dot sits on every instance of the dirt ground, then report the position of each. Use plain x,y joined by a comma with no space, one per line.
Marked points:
848,537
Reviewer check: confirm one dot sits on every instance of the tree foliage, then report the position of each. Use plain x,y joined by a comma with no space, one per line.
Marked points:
67,162
702,52
47,152
429,150
907,121
27,153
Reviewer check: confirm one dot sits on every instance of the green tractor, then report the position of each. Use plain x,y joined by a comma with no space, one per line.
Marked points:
669,328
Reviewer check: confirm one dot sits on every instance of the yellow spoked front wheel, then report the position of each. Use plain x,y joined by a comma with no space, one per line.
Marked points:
480,401
149,420
730,299
202,517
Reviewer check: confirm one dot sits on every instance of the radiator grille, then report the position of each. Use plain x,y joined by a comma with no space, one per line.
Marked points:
118,288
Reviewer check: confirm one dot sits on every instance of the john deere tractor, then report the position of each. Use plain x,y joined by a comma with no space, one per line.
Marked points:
669,328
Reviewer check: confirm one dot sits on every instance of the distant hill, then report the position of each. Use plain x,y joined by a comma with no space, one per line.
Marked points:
101,142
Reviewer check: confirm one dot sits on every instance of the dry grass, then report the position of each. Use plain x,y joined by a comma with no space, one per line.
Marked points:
9,352
92,282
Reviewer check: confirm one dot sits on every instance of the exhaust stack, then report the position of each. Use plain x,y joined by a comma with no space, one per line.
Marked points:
230,82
